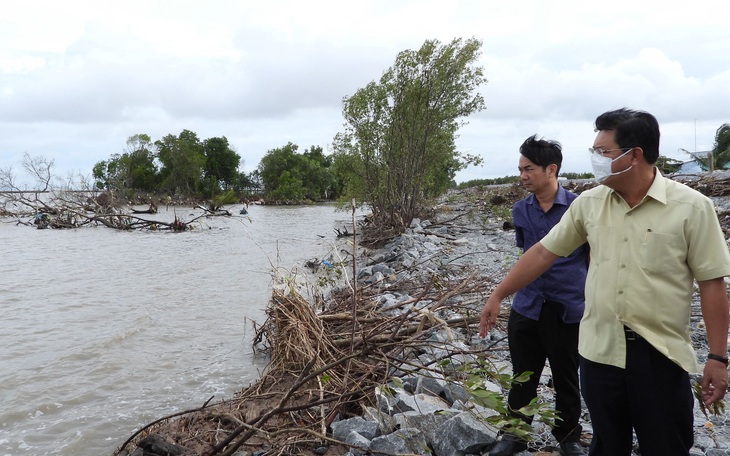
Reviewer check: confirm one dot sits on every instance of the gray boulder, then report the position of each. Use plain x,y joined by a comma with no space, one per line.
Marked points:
360,444
463,434
402,441
366,428
419,402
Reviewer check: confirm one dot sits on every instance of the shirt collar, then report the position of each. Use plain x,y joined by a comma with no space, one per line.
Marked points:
657,190
561,197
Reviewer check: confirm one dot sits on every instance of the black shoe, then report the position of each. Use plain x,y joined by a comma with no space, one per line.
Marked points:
571,449
508,446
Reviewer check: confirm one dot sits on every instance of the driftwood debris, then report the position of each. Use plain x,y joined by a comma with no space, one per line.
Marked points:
213,210
70,209
70,218
322,366
151,210
343,233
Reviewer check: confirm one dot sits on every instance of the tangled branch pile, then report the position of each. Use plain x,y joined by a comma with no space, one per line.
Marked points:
75,209
323,366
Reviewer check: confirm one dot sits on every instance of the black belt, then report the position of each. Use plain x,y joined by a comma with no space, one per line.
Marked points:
631,334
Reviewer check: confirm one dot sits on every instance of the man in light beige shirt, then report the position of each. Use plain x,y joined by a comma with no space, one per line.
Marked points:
650,238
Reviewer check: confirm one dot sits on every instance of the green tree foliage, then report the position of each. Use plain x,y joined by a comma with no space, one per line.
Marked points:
721,148
322,182
181,164
183,160
141,166
246,184
133,169
289,176
398,149
221,162
104,171
279,170
516,179
574,176
485,182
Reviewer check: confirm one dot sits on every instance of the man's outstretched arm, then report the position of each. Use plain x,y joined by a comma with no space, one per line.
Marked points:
529,267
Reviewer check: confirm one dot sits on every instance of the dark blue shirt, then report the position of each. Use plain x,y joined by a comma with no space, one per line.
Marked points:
564,282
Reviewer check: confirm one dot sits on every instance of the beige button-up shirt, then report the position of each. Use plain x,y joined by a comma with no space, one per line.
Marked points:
644,261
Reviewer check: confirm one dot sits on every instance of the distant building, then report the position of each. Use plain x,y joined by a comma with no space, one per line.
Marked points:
690,167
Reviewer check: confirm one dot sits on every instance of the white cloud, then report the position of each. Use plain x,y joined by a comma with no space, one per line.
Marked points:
79,77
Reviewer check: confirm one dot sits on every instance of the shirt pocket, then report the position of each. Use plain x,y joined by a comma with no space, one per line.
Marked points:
600,239
661,252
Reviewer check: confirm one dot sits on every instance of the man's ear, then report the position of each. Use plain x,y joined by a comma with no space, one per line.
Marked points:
638,153
552,170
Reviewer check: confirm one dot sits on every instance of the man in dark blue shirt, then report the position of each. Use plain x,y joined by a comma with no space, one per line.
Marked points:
545,315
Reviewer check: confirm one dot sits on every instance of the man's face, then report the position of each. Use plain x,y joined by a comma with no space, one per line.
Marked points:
533,177
606,140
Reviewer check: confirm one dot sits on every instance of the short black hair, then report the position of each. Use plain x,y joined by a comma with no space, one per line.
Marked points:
633,129
543,152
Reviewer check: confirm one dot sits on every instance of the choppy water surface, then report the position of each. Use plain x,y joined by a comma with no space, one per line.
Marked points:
103,331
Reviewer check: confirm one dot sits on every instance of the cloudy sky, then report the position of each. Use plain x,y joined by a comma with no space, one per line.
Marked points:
77,78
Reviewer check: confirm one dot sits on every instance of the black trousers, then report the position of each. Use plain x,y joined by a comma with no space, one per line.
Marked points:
652,397
531,343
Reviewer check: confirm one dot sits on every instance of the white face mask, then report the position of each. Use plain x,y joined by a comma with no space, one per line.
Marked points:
602,166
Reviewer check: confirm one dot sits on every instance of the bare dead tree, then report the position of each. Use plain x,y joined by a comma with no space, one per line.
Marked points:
39,168
72,203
